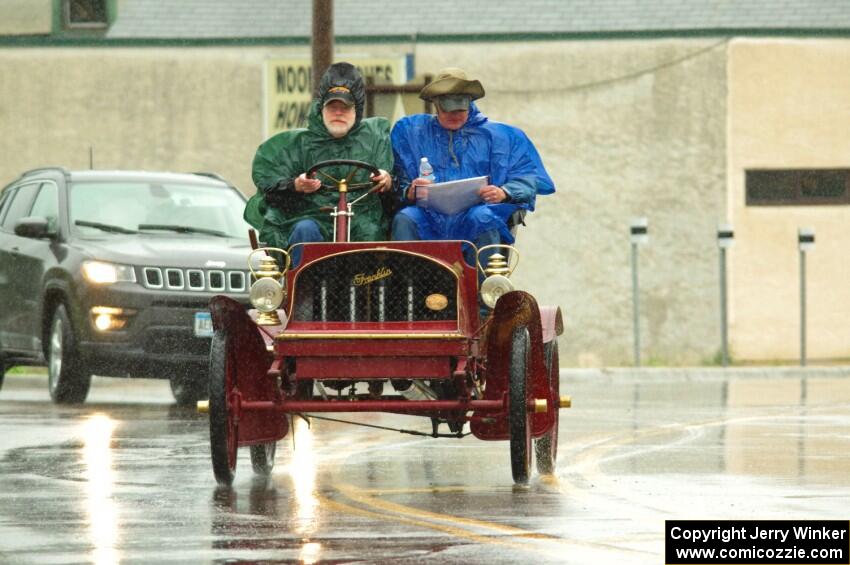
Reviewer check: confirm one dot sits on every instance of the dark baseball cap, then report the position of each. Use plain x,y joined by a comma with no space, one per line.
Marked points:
342,93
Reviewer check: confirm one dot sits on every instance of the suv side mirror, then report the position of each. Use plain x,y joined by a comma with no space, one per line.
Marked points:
35,227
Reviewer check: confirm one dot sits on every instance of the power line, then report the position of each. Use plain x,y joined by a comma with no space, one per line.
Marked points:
629,76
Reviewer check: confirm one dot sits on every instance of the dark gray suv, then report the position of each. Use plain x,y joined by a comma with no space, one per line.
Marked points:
111,273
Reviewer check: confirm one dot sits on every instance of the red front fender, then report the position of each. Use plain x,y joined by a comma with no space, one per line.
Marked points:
252,360
514,310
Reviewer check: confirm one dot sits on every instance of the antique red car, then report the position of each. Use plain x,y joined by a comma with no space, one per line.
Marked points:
330,334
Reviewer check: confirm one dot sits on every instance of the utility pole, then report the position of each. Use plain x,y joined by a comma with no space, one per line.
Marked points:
639,235
322,39
725,238
806,241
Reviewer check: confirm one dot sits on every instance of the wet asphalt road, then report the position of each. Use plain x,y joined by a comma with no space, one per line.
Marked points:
126,477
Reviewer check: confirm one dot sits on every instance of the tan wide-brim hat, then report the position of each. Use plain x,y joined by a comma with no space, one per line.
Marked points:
452,80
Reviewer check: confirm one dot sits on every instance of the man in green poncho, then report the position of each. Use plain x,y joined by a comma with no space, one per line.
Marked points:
286,208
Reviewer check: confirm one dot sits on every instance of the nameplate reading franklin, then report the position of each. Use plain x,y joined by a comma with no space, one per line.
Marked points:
362,278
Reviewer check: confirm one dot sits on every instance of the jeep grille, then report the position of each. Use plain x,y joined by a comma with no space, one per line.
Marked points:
199,280
373,286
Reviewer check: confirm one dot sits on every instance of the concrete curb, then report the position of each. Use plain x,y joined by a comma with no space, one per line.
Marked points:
704,373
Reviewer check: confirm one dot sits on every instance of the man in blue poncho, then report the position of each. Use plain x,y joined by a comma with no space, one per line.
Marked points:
460,142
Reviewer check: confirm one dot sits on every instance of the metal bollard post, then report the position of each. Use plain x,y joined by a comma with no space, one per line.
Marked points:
806,241
725,239
639,235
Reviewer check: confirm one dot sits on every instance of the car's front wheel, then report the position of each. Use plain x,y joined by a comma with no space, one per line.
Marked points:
262,457
224,430
2,369
68,381
546,447
189,386
519,417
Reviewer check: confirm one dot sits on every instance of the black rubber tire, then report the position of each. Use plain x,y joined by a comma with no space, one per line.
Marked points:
519,418
223,430
2,371
262,457
546,446
304,390
67,380
188,386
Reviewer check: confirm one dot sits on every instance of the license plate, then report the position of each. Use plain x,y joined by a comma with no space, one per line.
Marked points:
203,324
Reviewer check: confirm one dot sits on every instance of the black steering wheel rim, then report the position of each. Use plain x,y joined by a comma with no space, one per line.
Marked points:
343,162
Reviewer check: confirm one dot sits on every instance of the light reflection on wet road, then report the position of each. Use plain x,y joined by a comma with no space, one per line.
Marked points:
126,477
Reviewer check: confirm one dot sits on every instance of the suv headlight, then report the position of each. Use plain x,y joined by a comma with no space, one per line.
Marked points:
101,272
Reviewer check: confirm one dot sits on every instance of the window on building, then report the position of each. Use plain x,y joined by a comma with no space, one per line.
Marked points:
797,187
85,13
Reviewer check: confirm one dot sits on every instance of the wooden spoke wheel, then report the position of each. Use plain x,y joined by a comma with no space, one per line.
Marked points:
546,447
262,457
223,428
519,417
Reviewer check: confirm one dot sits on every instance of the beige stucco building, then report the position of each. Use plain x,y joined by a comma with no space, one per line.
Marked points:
660,125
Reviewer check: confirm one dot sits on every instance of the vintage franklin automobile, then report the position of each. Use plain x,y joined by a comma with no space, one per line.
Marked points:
328,334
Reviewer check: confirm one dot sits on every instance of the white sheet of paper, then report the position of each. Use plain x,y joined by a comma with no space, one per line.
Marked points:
451,197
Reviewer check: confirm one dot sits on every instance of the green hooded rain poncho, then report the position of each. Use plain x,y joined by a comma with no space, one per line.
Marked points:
276,207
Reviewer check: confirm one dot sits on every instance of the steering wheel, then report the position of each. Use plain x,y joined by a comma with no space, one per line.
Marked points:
355,166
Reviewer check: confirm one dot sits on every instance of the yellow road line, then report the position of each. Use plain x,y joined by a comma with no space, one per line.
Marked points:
455,532
355,494
410,514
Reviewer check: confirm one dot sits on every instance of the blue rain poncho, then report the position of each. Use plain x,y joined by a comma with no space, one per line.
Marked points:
480,148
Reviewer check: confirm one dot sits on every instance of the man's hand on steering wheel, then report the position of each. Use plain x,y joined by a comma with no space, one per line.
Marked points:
379,180
303,184
383,181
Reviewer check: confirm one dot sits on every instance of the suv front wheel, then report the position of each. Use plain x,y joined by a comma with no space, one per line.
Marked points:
189,385
68,381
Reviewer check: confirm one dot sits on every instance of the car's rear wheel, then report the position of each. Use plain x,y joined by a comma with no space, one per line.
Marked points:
223,427
519,418
68,381
304,390
189,385
262,457
546,447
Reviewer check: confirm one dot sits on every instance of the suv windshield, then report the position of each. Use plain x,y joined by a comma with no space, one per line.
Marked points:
154,207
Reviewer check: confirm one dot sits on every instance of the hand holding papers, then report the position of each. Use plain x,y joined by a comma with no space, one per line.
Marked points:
450,197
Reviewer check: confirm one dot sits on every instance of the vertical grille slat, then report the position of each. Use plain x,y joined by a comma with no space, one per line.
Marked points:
153,277
174,279
216,279
236,281
195,279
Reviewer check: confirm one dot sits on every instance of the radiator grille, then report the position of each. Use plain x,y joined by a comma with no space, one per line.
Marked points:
198,280
373,286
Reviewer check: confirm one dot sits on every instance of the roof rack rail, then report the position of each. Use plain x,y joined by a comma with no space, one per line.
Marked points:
41,169
208,174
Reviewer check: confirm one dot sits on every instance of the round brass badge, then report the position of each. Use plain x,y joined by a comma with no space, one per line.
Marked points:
436,302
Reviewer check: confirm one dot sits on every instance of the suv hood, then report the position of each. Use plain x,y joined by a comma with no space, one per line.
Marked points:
166,250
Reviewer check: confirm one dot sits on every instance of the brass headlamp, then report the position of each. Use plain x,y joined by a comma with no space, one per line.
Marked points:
497,271
267,292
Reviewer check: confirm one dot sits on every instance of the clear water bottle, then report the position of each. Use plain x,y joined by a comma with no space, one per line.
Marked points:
426,171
